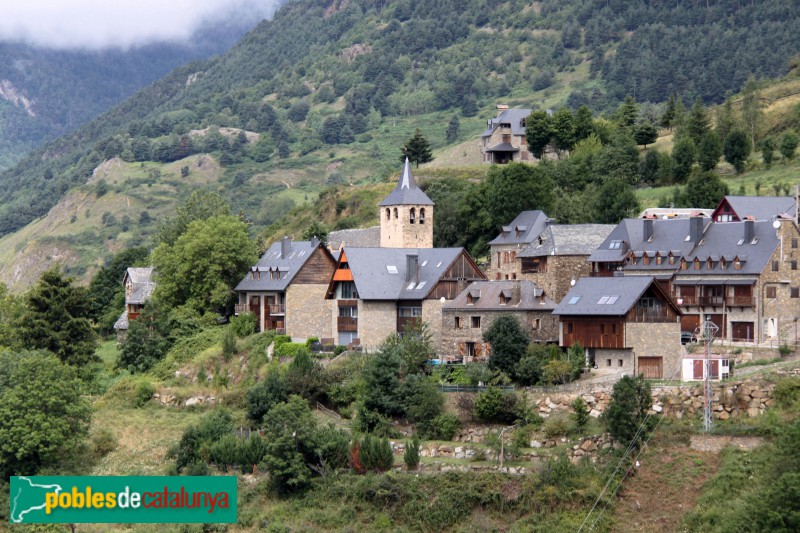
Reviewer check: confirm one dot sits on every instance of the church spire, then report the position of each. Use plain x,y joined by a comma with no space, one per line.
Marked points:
407,192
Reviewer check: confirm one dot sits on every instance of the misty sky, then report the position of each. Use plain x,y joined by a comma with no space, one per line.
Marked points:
103,23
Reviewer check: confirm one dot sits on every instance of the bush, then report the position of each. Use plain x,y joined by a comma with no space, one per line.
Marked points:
371,454
228,343
264,395
580,413
103,443
422,401
245,324
494,405
288,349
411,454
557,425
787,392
444,427
211,428
784,349
627,410
144,393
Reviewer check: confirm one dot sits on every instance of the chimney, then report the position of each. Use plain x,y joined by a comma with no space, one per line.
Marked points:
696,229
412,267
314,242
648,229
749,231
286,247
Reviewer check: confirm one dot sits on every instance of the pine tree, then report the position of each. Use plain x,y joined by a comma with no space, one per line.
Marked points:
668,118
584,123
709,151
627,113
737,149
645,134
417,149
453,129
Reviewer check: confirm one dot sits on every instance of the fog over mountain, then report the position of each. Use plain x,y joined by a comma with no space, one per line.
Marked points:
97,24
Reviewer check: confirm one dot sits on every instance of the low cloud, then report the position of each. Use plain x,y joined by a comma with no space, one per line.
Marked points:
95,24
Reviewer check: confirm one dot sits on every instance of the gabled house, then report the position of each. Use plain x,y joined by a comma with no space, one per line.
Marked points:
472,312
743,276
552,255
739,208
504,139
377,291
626,324
286,289
139,286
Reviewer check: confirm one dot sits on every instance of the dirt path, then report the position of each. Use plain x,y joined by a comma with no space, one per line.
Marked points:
663,490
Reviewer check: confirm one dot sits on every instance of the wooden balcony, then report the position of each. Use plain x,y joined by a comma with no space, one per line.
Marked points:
347,323
741,301
653,315
686,300
245,308
408,321
711,301
133,315
276,309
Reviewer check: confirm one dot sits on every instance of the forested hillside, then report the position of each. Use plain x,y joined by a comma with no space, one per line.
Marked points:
333,88
47,92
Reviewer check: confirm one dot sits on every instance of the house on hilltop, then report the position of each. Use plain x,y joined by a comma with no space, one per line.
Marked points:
504,139
627,325
739,208
139,285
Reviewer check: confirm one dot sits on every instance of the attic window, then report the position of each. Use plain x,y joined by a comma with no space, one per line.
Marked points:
410,286
424,263
421,284
696,264
754,241
723,264
608,300
391,269
439,264
615,245
672,260
573,300
737,264
741,242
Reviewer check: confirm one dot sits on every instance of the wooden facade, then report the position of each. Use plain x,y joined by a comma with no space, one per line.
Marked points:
461,273
593,332
317,270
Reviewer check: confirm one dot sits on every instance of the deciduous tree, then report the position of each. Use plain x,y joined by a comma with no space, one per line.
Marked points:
627,411
538,132
509,341
737,149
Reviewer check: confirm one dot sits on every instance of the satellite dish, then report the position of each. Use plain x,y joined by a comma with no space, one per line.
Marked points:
776,224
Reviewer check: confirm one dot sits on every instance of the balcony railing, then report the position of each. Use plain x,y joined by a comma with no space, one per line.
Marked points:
652,315
741,301
276,309
347,323
711,301
245,308
690,299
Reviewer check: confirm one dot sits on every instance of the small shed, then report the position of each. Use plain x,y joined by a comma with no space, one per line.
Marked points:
693,367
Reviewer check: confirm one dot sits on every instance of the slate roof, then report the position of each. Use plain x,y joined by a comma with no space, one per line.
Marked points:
143,284
525,296
721,240
668,236
568,239
376,280
523,229
502,147
622,291
514,117
360,238
122,321
273,265
407,192
761,207
673,212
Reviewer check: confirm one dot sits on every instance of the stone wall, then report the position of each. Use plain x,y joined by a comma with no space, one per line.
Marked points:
561,270
376,320
657,340
308,313
451,337
432,315
506,268
783,307
400,233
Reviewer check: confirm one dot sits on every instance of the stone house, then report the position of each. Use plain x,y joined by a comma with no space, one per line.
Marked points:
377,291
504,139
286,289
626,324
552,255
472,312
743,276
139,285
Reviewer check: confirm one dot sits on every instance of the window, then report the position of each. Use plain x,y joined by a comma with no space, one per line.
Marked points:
347,291
391,269
776,265
421,215
412,215
658,259
537,322
772,292
458,322
696,264
794,264
409,312
349,312
723,264
497,276
795,292
388,214
569,328
476,322
672,260
608,362
737,264
574,300
615,245
794,243
395,212
683,264
619,363
469,349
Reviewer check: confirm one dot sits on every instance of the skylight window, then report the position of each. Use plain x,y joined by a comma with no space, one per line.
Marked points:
573,300
603,300
615,245
439,264
612,300
421,284
410,286
424,263
391,269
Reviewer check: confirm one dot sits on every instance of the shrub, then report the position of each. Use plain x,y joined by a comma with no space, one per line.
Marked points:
288,349
784,349
103,443
245,324
264,395
373,454
522,437
144,393
787,392
211,428
411,455
557,425
580,413
228,343
627,409
444,426
509,341
421,399
493,405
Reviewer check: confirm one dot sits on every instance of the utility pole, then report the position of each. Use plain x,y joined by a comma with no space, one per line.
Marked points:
707,331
